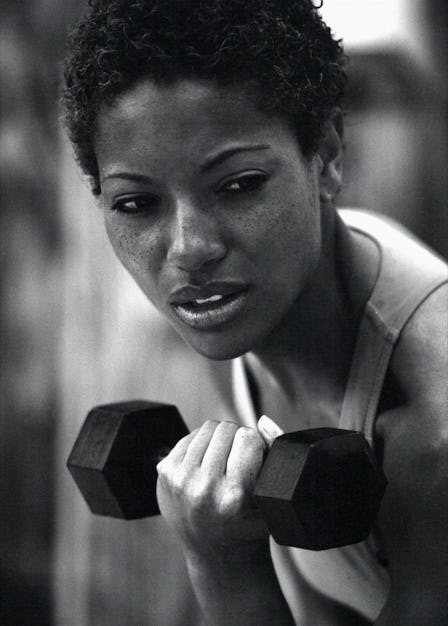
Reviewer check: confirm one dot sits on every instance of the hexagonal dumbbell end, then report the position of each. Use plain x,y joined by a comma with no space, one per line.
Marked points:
320,488
114,458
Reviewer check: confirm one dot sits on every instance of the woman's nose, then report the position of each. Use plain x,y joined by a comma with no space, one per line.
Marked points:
195,239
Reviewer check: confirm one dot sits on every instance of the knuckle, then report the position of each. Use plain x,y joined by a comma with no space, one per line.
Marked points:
199,495
231,503
171,476
179,483
162,468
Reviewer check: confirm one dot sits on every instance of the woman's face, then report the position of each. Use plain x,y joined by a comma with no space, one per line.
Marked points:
211,207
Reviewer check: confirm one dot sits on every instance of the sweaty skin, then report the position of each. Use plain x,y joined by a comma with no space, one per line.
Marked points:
230,232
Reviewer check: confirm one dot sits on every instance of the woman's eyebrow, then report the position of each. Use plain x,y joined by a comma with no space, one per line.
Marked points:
136,178
227,153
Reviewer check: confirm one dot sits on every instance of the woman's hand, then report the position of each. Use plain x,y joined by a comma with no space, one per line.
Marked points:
205,492
206,484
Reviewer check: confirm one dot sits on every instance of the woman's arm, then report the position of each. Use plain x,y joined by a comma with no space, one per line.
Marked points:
239,587
414,514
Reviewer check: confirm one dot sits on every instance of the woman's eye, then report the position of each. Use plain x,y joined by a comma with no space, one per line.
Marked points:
245,182
135,205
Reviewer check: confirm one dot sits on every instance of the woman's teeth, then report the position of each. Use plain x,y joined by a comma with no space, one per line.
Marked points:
213,298
211,312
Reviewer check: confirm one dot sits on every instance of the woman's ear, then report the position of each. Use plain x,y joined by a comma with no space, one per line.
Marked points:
330,154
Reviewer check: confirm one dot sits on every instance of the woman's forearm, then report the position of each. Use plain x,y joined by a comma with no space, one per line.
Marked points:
239,588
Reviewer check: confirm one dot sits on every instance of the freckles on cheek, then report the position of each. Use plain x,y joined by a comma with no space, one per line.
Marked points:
142,258
261,226
121,243
273,228
124,246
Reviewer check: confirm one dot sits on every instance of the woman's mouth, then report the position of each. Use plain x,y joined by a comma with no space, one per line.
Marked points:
210,311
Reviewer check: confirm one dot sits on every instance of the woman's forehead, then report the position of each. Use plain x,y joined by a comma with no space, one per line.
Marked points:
182,96
184,114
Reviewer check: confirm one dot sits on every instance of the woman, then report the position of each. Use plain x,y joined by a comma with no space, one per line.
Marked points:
211,132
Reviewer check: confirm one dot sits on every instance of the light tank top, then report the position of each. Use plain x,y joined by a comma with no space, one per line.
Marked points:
408,274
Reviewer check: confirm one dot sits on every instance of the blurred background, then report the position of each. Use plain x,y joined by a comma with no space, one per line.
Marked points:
75,332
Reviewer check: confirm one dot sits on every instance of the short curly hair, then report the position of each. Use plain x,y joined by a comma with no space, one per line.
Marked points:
280,50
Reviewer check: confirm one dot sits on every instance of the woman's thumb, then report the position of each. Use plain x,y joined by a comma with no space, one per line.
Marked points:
268,429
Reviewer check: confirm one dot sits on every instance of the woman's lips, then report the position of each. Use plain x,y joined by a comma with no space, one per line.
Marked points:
209,310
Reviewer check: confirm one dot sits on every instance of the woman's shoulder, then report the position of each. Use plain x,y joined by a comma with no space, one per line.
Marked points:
422,348
419,365
409,303
414,437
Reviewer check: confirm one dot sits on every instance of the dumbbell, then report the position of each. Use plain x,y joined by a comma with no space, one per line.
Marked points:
317,489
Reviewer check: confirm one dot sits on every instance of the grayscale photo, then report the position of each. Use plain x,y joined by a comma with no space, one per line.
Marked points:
224,313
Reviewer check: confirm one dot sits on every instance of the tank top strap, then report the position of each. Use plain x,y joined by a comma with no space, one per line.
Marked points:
408,274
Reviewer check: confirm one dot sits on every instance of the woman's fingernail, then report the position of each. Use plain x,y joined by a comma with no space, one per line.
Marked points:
269,427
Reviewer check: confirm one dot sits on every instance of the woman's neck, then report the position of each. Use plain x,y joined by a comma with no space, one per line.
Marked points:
310,352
